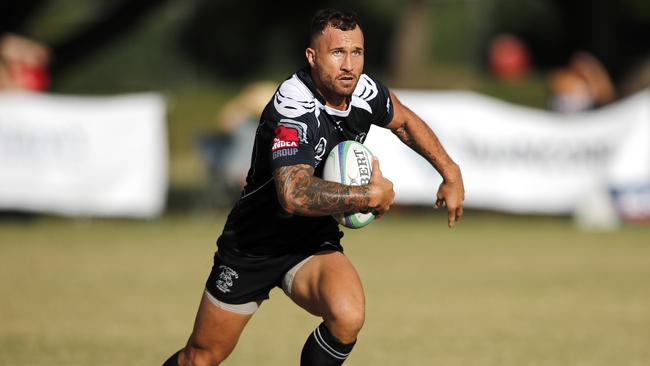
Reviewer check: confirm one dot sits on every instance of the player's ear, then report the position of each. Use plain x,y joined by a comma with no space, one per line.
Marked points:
310,53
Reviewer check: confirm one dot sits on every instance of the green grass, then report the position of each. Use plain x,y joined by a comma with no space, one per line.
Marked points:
497,290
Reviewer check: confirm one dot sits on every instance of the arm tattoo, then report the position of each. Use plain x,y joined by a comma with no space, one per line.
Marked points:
300,192
416,144
403,135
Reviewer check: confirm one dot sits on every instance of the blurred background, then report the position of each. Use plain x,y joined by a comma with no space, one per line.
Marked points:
153,103
201,54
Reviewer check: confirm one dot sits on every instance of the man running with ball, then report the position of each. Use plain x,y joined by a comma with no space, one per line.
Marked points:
281,232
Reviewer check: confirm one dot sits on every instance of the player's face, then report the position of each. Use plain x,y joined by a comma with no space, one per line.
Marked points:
336,56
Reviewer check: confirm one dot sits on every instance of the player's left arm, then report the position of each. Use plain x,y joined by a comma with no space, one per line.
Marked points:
416,134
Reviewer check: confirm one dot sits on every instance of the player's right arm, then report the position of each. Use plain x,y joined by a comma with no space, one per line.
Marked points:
302,193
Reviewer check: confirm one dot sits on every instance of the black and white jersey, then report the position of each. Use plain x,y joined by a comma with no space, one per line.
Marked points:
296,127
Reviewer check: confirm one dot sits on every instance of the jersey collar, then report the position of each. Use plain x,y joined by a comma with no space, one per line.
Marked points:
304,75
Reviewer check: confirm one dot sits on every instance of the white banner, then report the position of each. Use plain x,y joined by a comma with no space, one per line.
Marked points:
519,159
89,156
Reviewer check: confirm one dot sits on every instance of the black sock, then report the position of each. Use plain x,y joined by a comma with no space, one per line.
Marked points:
173,360
323,349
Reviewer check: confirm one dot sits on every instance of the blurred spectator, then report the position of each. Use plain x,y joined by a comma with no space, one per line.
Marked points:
23,63
509,58
582,85
226,153
238,119
248,104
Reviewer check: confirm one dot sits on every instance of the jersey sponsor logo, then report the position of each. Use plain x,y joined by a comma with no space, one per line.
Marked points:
279,144
286,133
285,138
360,137
284,152
301,127
226,278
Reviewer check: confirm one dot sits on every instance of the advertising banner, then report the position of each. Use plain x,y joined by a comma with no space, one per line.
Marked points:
519,159
88,156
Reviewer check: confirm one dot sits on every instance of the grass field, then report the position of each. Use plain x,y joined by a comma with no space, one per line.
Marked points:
498,290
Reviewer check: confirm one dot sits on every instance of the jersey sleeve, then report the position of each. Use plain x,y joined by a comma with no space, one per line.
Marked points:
291,123
377,97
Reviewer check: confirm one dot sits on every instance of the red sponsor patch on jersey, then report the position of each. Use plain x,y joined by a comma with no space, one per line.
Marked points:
285,137
286,134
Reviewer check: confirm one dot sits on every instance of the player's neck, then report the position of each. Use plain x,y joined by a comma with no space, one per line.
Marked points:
336,101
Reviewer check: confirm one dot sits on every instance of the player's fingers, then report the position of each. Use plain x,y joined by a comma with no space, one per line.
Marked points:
452,216
439,203
375,166
459,213
378,214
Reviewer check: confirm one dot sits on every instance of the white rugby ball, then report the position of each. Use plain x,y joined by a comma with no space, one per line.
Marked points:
350,163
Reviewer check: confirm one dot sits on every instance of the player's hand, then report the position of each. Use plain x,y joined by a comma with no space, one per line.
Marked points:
451,193
381,191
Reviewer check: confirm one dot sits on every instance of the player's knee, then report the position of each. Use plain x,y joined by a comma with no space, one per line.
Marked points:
347,318
201,357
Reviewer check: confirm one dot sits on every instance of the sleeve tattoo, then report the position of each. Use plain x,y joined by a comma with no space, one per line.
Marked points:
417,144
300,192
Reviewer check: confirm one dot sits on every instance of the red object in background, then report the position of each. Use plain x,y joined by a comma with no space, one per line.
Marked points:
32,78
509,58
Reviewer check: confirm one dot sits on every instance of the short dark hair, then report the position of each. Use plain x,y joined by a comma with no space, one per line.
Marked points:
339,19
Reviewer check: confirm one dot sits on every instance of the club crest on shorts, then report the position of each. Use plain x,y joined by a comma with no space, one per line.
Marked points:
226,277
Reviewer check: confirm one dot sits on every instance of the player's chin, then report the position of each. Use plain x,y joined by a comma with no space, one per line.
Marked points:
346,89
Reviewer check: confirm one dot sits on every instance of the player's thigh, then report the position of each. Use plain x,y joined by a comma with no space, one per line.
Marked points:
326,284
216,331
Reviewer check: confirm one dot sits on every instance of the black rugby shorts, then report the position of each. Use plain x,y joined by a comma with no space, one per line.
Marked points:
239,278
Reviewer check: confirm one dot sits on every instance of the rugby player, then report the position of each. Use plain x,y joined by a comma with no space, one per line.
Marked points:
280,232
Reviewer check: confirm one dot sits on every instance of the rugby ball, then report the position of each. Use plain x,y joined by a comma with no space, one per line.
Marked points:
350,163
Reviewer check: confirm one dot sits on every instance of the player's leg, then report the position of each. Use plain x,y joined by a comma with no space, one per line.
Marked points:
327,285
216,332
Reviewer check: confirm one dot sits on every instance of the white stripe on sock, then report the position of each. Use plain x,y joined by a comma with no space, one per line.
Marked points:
334,353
